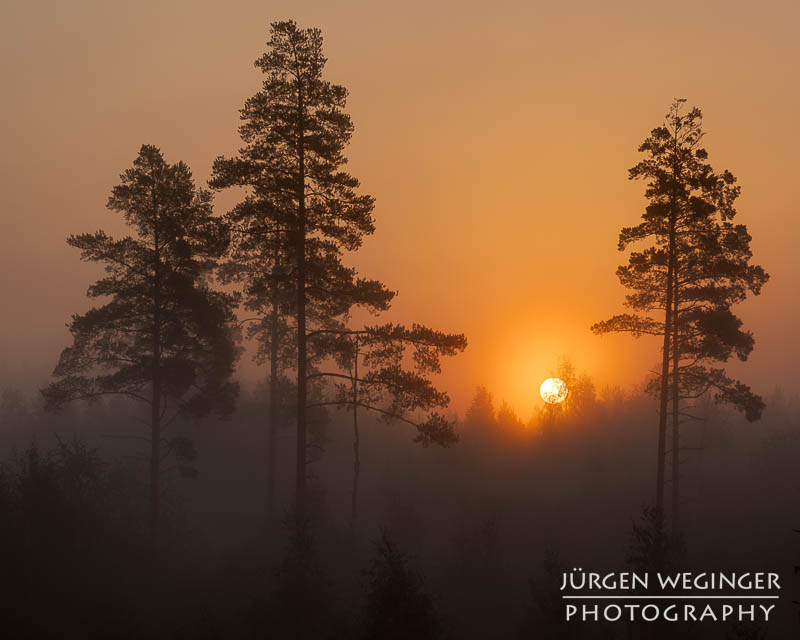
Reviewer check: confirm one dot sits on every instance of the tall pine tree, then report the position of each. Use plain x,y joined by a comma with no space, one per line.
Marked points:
294,132
162,336
684,284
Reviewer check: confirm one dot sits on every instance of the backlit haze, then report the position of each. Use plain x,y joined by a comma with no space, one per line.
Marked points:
496,138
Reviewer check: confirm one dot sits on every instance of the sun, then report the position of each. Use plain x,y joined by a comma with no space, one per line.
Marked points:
553,391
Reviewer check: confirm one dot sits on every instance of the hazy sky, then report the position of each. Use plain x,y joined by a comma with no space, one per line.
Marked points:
496,137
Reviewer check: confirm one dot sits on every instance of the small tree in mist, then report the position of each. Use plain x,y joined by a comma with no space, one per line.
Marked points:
481,409
300,603
163,336
478,594
294,132
684,283
71,529
507,418
372,360
581,396
398,606
652,547
545,615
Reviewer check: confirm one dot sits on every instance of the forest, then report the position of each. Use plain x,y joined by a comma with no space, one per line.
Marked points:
149,490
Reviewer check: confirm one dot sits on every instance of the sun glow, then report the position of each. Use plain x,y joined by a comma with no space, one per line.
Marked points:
553,391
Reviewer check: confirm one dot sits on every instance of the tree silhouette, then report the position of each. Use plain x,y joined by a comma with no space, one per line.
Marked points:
481,409
294,132
544,617
651,547
507,418
713,272
397,604
163,338
372,361
580,398
695,269
72,527
300,605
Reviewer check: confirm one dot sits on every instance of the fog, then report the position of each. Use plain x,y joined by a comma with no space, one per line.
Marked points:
479,521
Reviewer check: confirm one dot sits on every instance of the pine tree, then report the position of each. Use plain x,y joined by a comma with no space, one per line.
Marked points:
684,284
580,398
713,272
481,410
294,132
163,337
397,604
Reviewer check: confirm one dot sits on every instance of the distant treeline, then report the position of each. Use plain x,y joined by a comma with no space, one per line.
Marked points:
474,535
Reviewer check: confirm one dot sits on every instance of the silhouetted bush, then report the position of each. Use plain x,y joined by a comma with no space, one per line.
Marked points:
69,542
398,607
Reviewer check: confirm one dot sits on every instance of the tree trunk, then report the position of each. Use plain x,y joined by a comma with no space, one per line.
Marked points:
672,327
665,362
676,416
302,378
662,411
273,410
155,417
155,457
356,439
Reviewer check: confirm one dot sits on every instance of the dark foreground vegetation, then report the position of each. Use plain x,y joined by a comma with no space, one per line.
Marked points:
465,542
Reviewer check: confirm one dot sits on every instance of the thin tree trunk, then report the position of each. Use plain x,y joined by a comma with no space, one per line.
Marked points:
356,438
664,397
302,379
155,416
665,362
273,410
155,457
676,417
672,327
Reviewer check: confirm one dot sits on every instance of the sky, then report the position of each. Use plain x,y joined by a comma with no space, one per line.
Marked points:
495,137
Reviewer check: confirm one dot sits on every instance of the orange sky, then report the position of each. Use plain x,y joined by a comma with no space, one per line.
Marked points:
496,138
